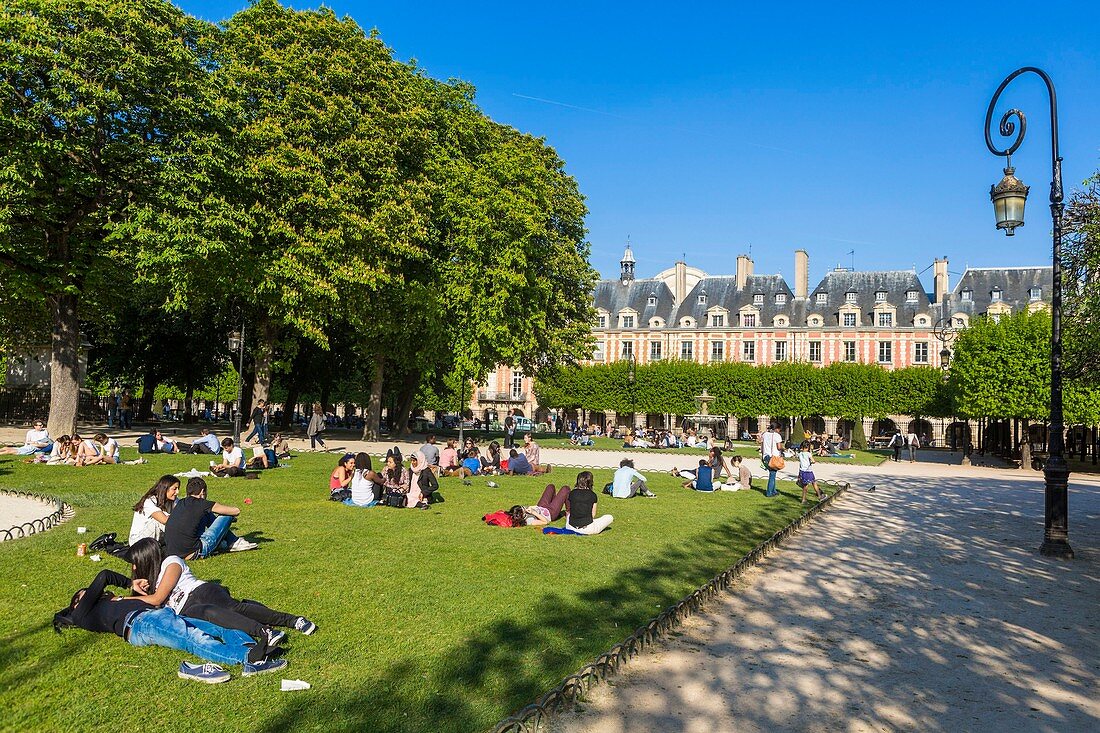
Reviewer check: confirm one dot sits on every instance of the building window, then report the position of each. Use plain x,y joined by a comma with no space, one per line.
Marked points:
602,319
780,298
1035,293
748,320
717,351
880,296
920,352
654,350
995,295
960,323
885,352
885,319
628,321
748,351
687,351
702,298
968,295
815,351
628,349
653,300
849,351
849,320
717,320
822,298
850,297
758,299
780,350
517,385
911,296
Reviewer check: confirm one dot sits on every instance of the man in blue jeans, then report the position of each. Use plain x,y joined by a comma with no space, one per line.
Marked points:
771,444
198,528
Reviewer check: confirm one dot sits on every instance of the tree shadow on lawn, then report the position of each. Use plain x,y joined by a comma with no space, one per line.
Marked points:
508,663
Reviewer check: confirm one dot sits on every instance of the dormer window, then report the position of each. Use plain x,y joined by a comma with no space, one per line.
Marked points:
850,296
652,300
911,296
967,295
880,296
628,321
1035,293
702,298
717,320
780,298
602,320
822,298
995,295
748,320
758,299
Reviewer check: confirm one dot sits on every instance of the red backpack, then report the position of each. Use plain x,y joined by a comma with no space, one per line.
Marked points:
498,519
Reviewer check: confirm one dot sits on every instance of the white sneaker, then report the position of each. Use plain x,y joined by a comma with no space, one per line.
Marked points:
242,545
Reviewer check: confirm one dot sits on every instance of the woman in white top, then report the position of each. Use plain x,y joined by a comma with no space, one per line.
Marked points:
366,485
152,510
109,448
89,452
167,581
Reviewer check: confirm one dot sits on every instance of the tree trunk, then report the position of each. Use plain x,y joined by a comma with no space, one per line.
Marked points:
64,366
149,382
188,404
406,395
265,355
372,427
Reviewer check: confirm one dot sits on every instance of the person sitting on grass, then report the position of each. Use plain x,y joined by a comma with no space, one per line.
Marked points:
448,459
366,485
431,452
109,448
744,476
549,509
533,455
704,477
422,482
198,527
95,609
490,462
164,445
518,465
582,515
89,452
395,479
628,483
37,440
63,452
281,446
805,473
471,464
232,461
162,580
339,481
206,444
150,515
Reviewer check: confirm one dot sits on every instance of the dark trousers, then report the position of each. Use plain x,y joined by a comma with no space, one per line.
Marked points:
554,501
897,451
202,448
510,440
212,602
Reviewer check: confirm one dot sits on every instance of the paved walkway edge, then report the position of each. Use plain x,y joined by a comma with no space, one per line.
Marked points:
535,716
58,512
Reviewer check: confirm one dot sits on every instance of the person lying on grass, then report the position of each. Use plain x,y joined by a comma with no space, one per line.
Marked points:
150,515
140,624
161,580
548,509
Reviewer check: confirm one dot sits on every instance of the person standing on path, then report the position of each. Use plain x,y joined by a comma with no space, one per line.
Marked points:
897,442
259,427
510,429
316,427
771,444
126,410
913,442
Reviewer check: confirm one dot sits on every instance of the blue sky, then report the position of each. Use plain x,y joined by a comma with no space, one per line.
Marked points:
711,129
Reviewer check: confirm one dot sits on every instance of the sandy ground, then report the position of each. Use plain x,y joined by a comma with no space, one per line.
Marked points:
15,510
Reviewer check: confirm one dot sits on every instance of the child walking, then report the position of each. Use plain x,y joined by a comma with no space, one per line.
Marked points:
805,475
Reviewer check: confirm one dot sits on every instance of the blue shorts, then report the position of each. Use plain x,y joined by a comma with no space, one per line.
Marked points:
806,477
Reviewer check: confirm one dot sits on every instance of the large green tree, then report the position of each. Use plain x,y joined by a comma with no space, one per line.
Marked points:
1081,281
93,96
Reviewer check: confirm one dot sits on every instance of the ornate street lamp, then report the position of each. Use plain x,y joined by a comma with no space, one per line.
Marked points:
236,343
1008,203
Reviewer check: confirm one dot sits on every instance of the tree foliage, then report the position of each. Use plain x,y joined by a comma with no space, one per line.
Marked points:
1081,283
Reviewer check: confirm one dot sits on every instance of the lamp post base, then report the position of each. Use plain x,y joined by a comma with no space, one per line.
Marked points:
1056,548
1056,526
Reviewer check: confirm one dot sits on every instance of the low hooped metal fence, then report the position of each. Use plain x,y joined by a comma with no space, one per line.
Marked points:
535,718
62,511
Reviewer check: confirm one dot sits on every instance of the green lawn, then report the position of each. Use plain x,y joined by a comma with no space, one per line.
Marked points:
740,448
429,621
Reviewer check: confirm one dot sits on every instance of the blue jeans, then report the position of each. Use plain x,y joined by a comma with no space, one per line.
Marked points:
349,502
217,529
771,490
162,627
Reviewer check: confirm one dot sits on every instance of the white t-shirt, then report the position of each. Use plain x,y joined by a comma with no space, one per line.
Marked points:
804,460
37,436
144,525
233,457
362,488
110,448
769,443
177,599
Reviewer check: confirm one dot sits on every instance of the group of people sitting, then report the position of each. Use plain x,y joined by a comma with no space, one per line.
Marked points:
715,473
167,605
354,482
68,450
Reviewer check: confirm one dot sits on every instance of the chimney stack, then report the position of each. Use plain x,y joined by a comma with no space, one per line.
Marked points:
940,287
744,270
679,282
801,274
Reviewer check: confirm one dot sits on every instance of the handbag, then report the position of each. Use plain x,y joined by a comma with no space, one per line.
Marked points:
776,463
395,500
340,495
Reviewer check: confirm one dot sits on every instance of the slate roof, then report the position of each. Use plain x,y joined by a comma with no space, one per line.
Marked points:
722,291
1014,283
615,295
895,283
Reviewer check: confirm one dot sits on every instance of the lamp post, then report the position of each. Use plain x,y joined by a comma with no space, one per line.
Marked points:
236,343
630,380
1009,197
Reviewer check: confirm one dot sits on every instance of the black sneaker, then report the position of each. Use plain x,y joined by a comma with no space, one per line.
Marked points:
304,625
268,665
274,636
